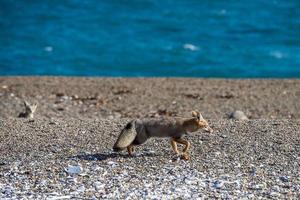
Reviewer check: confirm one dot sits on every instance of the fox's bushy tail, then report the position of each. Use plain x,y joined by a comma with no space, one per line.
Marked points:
126,137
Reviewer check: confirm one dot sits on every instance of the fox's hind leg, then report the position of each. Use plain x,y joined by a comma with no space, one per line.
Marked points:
174,146
130,150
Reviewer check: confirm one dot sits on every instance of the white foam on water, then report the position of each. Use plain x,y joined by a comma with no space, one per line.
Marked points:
48,48
222,12
277,54
190,47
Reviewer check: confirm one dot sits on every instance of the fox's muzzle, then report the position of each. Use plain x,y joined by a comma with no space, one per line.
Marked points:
208,129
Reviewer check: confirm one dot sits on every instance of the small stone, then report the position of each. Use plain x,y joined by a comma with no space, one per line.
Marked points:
276,188
60,94
275,194
60,109
59,197
218,184
75,96
81,189
2,162
111,163
65,97
189,181
98,185
53,122
117,115
74,169
239,115
284,179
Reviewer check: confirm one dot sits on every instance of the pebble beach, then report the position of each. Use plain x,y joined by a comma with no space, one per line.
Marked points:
65,151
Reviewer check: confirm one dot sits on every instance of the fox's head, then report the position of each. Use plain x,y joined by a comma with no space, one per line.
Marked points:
29,108
201,122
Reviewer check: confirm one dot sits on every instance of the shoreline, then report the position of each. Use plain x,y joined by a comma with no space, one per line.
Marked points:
139,97
148,77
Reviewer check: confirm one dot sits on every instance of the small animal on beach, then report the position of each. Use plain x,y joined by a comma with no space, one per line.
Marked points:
29,110
139,131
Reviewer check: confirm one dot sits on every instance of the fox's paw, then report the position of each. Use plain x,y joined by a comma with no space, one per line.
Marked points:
185,156
133,154
181,156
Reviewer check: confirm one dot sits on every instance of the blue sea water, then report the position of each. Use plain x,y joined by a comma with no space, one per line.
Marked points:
186,38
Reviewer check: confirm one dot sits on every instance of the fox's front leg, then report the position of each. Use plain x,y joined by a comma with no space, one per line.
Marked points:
187,144
174,146
184,142
130,150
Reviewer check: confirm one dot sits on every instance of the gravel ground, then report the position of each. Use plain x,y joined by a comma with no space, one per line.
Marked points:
130,98
65,153
73,159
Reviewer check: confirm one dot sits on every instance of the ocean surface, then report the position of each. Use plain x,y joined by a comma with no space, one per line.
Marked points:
141,38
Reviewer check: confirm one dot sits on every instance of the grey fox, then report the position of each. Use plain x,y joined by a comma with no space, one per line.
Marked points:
138,131
29,110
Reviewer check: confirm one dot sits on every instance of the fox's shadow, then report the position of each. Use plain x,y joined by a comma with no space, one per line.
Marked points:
105,156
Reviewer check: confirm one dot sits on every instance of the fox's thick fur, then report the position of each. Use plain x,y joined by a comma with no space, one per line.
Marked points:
139,131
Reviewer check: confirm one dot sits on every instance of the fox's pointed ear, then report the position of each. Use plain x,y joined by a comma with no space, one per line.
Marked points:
200,116
33,108
194,114
26,104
